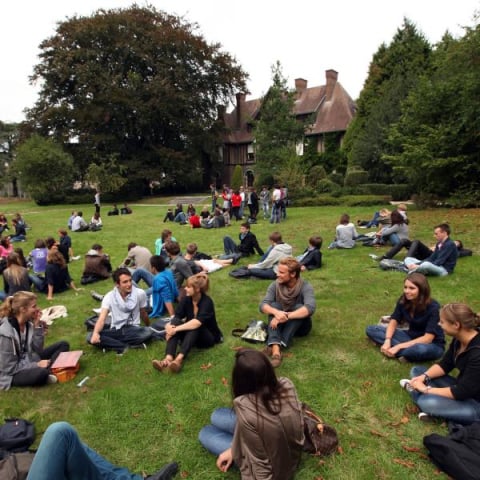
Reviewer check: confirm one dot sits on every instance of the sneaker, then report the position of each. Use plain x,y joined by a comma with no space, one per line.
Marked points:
425,417
374,257
165,473
405,384
77,257
51,379
96,296
122,351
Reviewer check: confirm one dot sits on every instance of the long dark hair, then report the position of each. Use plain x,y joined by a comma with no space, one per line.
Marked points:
424,299
397,218
253,374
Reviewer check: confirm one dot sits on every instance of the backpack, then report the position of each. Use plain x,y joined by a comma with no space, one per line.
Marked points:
390,264
16,435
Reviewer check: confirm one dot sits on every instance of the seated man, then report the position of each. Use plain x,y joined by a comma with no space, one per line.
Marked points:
267,268
62,455
97,265
79,224
137,257
443,259
126,305
180,268
311,258
125,210
289,304
248,245
114,210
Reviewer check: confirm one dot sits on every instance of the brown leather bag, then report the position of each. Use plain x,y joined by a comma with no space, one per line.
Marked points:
320,439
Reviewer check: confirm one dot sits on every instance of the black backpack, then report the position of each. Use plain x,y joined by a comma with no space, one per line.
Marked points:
16,435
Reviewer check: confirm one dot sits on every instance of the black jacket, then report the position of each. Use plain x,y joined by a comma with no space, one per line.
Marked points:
248,245
312,259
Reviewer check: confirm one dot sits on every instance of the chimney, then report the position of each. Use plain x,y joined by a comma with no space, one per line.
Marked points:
240,103
300,86
332,77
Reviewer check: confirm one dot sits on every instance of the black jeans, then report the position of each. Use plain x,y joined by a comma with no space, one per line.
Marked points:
200,337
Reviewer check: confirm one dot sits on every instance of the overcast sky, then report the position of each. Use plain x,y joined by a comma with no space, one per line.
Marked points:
306,36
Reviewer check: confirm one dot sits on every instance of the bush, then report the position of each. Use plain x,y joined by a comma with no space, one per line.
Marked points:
327,186
315,175
396,192
355,177
337,178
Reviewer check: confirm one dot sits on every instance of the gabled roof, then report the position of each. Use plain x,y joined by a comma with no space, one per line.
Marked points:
330,106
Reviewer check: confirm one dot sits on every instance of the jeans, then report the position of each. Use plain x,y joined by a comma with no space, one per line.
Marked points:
457,411
229,245
218,436
266,273
180,218
143,274
40,283
404,243
427,268
419,250
421,352
283,334
122,338
62,456
276,213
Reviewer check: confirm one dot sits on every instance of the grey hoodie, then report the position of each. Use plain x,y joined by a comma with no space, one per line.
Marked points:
279,251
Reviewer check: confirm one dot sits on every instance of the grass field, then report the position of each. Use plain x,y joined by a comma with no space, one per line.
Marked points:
140,418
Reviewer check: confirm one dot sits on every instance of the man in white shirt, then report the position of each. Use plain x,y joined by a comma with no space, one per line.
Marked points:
79,224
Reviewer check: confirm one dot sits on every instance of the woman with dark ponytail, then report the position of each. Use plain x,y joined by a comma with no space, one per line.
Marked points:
23,359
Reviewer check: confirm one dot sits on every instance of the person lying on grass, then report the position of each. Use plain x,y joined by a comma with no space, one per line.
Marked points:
194,325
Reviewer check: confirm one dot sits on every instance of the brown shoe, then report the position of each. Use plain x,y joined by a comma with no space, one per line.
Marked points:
276,360
175,367
160,365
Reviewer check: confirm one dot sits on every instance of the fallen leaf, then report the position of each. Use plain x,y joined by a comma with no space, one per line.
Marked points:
410,449
170,408
206,366
208,381
237,348
340,450
135,415
404,463
377,434
225,381
184,474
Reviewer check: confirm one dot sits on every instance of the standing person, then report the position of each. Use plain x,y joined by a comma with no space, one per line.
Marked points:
24,361
345,234
96,202
245,197
61,455
276,205
263,436
439,395
236,200
15,277
126,305
214,196
253,204
289,304
194,325
443,259
424,340
265,199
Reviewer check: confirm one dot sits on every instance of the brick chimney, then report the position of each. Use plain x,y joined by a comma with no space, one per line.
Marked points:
300,86
331,76
240,105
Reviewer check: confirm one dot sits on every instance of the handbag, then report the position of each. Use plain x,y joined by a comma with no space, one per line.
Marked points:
320,439
66,365
255,332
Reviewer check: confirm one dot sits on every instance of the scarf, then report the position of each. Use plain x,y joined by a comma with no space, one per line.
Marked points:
287,296
128,303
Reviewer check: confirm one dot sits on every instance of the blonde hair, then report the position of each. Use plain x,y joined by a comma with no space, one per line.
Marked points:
461,313
199,281
12,305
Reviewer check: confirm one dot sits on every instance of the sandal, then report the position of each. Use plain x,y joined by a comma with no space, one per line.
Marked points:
276,360
175,367
160,365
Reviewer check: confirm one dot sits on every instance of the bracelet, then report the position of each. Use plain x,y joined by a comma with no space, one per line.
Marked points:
427,379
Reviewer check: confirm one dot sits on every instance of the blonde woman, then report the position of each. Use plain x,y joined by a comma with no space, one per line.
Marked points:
194,325
15,276
24,361
439,395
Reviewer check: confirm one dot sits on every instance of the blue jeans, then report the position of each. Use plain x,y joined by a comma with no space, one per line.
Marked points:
283,334
40,283
218,436
62,456
266,273
180,218
421,352
464,412
427,268
229,246
118,340
143,274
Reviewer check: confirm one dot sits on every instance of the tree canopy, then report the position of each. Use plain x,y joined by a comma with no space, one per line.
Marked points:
138,84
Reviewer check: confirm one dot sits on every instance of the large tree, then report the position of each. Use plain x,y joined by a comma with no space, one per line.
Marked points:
277,131
437,139
393,72
138,84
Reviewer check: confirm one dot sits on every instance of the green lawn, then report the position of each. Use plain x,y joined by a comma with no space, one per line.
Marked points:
140,418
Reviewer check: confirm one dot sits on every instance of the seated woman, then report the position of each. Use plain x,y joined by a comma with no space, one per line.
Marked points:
24,362
15,277
263,436
62,455
345,234
381,217
179,215
424,339
20,231
6,248
438,394
95,222
191,210
194,325
395,232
